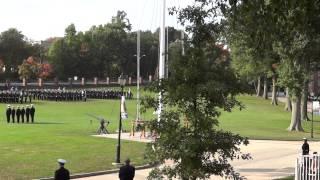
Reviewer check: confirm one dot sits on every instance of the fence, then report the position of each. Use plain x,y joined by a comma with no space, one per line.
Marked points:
308,167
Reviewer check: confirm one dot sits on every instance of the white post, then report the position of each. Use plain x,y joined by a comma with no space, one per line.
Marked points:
138,75
182,42
167,53
108,81
162,55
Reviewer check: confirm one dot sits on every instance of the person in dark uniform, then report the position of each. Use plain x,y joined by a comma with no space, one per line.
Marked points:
27,113
32,111
62,173
127,171
305,147
18,114
13,114
23,112
8,113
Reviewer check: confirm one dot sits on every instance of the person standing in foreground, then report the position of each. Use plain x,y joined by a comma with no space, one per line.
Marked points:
32,111
8,113
27,113
127,171
62,173
305,147
13,114
18,113
23,112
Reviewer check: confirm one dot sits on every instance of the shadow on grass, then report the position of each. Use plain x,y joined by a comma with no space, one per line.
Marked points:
46,123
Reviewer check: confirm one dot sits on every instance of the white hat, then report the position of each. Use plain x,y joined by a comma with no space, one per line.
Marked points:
62,161
304,138
8,105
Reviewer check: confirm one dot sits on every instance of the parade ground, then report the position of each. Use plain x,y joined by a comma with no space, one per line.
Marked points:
64,130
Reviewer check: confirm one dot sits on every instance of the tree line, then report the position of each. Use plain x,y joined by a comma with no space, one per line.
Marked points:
277,41
105,50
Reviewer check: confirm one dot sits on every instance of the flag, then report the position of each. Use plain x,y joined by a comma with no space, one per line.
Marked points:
124,114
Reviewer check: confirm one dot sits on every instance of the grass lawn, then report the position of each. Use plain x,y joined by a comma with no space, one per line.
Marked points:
62,130
261,120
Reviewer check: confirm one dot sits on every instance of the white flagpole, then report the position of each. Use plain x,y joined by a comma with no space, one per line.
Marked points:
162,55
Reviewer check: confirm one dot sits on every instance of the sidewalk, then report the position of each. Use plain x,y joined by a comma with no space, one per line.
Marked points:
271,159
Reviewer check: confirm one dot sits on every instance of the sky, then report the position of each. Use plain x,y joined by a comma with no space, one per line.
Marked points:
41,19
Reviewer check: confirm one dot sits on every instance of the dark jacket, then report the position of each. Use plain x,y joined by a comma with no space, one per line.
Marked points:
8,112
32,110
126,172
62,174
305,148
13,114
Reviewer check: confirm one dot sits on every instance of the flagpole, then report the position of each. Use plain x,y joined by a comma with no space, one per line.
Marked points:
162,55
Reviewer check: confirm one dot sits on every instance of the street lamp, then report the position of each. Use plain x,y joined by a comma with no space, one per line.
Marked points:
315,105
122,81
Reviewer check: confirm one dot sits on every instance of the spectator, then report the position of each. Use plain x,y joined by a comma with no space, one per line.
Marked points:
62,173
127,171
305,147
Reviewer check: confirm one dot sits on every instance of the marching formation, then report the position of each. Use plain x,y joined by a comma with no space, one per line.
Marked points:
14,96
20,113
76,94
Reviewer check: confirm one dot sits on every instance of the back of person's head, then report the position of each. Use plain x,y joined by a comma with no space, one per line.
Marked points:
62,162
127,161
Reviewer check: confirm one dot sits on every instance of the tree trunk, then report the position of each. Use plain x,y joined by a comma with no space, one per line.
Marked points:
304,102
265,88
274,100
259,87
288,106
295,124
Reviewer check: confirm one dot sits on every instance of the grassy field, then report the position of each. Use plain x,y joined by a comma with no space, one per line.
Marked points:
261,120
62,130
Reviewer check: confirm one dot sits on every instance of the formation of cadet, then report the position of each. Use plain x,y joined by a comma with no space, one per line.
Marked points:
107,94
58,94
20,113
76,94
15,96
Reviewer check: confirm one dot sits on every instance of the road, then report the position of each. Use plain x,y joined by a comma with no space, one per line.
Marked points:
271,160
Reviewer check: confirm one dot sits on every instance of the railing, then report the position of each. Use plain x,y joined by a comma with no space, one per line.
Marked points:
308,167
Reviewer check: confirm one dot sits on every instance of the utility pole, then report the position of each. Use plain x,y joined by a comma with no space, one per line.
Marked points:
138,75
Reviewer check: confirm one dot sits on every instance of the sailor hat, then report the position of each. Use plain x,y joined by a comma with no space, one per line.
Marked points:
62,161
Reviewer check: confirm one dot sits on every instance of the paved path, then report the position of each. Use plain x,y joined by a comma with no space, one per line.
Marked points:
271,159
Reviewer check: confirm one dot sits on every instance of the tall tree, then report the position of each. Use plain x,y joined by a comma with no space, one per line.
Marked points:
13,50
298,33
201,85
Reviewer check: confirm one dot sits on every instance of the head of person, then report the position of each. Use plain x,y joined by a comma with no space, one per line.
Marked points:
127,161
8,106
305,140
61,162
